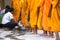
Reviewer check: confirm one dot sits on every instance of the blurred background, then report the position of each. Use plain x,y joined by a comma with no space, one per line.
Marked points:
4,3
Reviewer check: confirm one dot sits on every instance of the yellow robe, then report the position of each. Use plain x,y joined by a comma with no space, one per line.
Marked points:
45,15
15,4
49,17
39,22
24,15
55,16
21,3
33,12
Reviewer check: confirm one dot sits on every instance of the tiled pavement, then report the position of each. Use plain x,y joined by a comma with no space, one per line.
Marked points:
22,35
10,35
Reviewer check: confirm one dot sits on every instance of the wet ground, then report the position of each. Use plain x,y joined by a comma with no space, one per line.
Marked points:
22,35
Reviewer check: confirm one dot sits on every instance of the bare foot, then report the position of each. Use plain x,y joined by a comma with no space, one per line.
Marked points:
51,36
57,36
43,34
57,39
34,32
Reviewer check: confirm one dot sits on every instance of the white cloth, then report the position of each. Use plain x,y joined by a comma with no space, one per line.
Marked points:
2,12
7,17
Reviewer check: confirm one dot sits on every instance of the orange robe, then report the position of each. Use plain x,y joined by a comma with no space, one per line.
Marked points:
55,16
39,22
15,4
24,15
49,17
33,12
46,9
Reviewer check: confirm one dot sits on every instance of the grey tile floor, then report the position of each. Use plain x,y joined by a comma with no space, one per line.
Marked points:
22,35
10,35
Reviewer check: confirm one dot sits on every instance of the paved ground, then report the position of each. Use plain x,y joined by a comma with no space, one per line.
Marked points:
22,35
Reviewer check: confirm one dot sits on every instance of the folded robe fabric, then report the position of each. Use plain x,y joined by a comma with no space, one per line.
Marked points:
39,21
34,4
24,15
55,16
15,4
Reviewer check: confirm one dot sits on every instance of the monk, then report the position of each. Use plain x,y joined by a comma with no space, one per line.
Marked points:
55,18
45,8
34,15
25,14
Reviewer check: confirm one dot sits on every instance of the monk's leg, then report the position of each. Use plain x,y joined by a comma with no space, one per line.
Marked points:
35,30
51,34
45,33
57,36
29,29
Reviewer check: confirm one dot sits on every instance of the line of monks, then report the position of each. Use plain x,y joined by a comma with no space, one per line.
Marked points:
38,14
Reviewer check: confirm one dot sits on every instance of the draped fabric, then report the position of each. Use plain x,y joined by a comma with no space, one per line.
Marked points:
45,21
39,22
55,16
34,4
24,15
16,6
33,15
